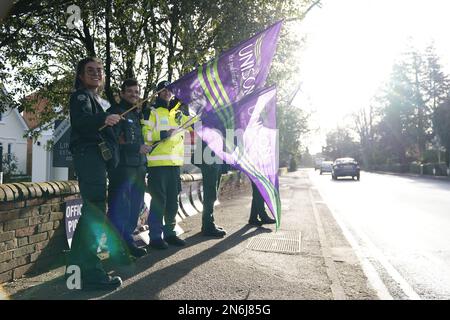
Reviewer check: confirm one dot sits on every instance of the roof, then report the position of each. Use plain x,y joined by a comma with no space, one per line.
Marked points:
14,111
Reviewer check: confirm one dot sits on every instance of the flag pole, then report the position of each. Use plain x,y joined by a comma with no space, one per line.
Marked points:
184,126
135,106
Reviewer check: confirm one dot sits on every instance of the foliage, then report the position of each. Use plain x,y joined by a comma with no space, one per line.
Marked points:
441,121
292,165
340,144
9,163
292,124
147,39
401,123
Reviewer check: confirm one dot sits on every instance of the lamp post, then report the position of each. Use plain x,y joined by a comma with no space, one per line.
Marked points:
1,163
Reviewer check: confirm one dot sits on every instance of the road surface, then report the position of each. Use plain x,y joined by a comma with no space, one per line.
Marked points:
399,225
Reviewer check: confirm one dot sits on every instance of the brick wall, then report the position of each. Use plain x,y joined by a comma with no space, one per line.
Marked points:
32,232
234,183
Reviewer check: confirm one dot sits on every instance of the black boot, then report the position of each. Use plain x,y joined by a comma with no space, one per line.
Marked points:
265,219
136,251
98,279
175,241
158,244
217,232
255,222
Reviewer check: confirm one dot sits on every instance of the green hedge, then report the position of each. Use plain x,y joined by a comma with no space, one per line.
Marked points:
440,169
414,167
392,167
16,178
292,165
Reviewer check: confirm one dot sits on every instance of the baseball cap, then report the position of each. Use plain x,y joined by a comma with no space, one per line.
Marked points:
162,85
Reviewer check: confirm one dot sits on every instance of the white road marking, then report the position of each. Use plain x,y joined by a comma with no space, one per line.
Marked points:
336,286
372,275
370,250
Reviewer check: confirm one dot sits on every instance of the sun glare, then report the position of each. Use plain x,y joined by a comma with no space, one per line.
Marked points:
351,47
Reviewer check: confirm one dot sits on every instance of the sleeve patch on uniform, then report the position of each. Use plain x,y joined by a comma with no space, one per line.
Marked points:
82,97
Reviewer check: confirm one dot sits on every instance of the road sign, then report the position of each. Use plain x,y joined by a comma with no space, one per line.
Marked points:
61,138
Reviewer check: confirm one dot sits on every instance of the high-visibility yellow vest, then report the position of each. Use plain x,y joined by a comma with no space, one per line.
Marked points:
170,152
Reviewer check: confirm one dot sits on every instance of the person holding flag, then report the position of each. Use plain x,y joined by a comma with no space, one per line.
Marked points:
161,129
93,153
127,181
258,214
212,169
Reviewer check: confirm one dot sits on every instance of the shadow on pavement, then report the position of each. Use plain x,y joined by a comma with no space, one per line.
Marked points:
155,282
151,284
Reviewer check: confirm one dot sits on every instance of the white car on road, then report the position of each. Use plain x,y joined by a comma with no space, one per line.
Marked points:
326,166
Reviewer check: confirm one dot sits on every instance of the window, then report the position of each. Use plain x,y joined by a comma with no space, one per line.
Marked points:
9,151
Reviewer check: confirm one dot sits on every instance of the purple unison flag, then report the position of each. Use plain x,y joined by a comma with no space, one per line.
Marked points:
253,147
236,73
211,92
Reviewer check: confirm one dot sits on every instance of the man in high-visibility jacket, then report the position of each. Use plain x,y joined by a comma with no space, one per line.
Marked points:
163,166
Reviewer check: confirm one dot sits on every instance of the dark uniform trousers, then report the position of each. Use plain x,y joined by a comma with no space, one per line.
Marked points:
126,198
211,174
164,185
257,204
93,223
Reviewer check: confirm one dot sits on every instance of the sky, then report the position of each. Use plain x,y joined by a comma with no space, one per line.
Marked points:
350,48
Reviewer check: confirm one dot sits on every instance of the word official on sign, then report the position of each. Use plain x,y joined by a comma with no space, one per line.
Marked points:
73,214
61,153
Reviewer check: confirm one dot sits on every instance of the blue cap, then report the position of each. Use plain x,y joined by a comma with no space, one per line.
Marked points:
162,85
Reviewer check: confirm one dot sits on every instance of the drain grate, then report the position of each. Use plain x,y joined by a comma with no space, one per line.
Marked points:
280,242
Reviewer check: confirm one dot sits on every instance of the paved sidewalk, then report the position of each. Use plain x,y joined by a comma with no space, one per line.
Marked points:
325,268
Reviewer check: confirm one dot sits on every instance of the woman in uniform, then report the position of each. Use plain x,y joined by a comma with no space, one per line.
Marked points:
93,152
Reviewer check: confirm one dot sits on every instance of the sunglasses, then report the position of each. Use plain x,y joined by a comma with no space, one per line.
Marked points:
93,72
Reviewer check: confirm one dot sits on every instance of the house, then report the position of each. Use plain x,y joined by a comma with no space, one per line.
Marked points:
12,140
32,120
40,156
34,157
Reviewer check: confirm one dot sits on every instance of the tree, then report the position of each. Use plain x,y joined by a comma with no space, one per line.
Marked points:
436,83
395,127
340,144
307,159
441,121
293,124
10,166
150,40
365,127
416,87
